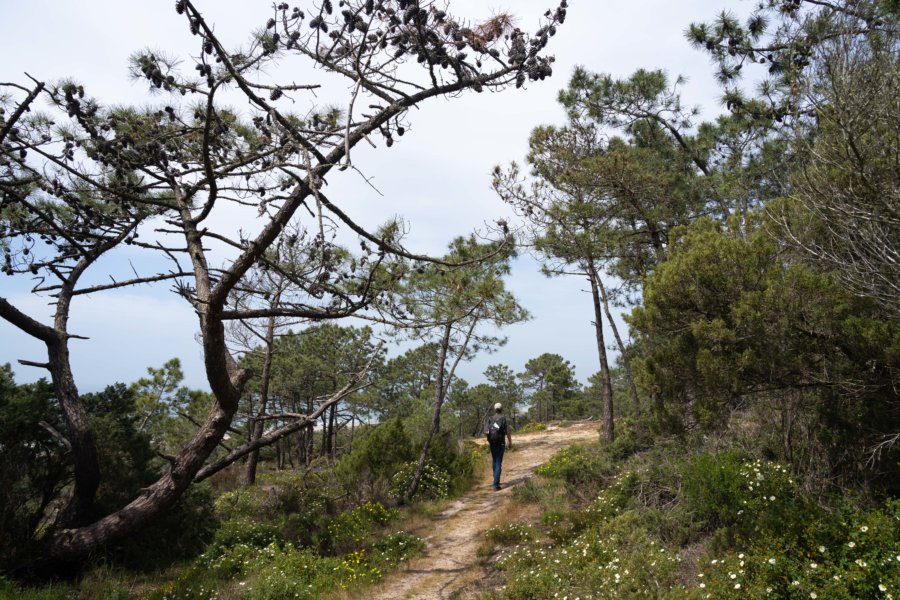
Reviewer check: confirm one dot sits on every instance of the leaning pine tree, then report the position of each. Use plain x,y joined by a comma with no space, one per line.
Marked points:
83,181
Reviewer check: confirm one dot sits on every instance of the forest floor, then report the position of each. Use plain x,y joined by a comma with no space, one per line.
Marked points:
447,567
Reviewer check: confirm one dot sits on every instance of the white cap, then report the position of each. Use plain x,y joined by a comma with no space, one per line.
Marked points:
498,406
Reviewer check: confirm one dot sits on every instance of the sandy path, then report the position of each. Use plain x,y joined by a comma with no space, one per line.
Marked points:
448,561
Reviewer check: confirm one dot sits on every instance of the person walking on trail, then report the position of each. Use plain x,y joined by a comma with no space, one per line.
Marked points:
497,431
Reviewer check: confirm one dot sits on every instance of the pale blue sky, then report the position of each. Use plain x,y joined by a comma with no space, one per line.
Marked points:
437,177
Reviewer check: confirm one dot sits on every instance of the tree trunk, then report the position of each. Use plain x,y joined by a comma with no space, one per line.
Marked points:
79,509
331,432
257,427
626,362
436,415
606,392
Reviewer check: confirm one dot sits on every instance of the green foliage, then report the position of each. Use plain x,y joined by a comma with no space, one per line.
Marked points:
532,427
724,325
849,555
8,589
509,534
434,485
353,528
713,486
34,463
376,457
283,506
617,560
580,467
549,384
396,547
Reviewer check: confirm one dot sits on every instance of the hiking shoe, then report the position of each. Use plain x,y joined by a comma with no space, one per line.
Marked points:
497,488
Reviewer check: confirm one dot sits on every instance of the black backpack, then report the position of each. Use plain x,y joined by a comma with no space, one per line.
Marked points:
495,428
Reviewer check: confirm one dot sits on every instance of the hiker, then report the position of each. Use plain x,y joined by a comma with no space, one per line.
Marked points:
496,430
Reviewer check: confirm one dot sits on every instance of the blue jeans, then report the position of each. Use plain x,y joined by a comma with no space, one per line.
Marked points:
497,449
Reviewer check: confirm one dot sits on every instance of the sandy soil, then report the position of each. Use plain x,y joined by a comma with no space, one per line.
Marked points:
448,565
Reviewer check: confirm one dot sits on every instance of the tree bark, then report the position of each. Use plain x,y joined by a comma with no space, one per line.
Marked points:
606,392
257,429
436,415
626,362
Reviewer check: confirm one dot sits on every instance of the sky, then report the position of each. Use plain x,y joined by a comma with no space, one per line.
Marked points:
436,178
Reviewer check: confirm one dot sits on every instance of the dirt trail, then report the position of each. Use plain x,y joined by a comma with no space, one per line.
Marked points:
448,562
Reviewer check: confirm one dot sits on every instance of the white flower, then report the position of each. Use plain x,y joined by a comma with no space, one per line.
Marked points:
851,544
864,529
822,549
771,561
813,595
702,585
813,565
737,586
882,587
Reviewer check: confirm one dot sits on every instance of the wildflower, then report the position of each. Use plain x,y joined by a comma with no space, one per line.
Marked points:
737,586
822,549
882,587
813,595
864,529
851,544
771,561
813,565
772,498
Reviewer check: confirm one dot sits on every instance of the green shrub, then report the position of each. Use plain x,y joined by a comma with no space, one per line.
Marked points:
582,468
10,590
857,557
510,533
713,487
396,548
608,562
242,532
375,458
292,573
744,498
296,506
351,529
434,485
532,427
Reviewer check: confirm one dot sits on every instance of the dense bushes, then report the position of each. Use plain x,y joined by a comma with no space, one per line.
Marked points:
694,517
35,467
730,323
285,538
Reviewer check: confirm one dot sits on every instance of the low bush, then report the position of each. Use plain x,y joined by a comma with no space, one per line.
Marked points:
509,534
396,548
584,469
352,529
853,554
434,485
532,426
617,560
